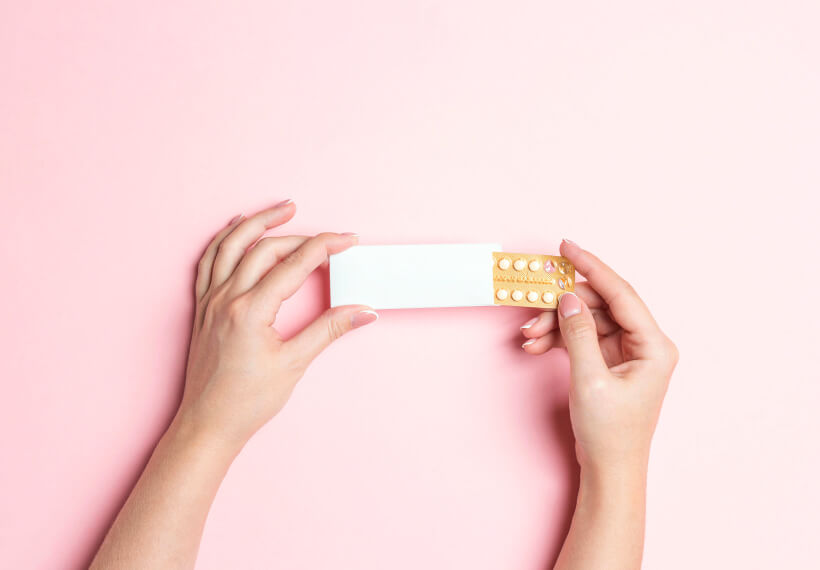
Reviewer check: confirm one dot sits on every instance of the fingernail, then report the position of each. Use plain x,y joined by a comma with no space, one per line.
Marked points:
236,219
529,342
529,323
569,304
363,318
283,203
569,241
351,234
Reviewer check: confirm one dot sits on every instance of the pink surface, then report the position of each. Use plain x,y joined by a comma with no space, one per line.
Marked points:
678,141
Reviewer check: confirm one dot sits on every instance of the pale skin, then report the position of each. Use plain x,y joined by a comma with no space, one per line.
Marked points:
241,372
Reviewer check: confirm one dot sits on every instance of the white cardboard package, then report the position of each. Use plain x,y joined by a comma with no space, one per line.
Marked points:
413,276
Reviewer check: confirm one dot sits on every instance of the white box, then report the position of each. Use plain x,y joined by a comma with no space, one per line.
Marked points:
413,276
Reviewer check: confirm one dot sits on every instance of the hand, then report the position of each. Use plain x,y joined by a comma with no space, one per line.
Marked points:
240,371
620,364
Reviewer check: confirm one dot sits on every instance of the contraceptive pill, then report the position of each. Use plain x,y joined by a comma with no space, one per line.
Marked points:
536,280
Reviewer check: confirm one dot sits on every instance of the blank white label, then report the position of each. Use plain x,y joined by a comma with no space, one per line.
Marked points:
413,276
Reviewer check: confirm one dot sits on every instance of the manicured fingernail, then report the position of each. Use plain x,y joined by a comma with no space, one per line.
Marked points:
569,241
236,219
363,318
529,342
529,323
569,304
283,203
351,234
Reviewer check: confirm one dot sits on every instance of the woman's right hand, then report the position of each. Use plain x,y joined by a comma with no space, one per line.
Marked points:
620,364
240,370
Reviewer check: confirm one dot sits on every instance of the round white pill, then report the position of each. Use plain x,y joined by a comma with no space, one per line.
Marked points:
532,296
501,294
517,295
535,265
519,264
504,263
548,297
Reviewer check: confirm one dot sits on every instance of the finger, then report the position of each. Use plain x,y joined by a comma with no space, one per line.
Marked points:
540,325
589,295
289,274
624,304
548,321
205,266
543,344
580,337
604,323
611,349
329,326
265,254
233,247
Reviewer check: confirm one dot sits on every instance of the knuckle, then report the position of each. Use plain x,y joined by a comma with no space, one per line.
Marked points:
671,351
237,310
628,289
334,329
226,245
265,246
295,258
324,236
666,352
266,242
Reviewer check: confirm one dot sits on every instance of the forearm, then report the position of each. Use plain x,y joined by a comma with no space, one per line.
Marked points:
161,523
607,528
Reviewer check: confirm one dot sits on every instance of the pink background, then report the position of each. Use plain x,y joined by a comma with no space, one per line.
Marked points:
679,141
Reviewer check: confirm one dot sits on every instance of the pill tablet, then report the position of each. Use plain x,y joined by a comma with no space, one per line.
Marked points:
530,280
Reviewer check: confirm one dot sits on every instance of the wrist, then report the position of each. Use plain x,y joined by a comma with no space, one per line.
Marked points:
186,432
614,482
607,460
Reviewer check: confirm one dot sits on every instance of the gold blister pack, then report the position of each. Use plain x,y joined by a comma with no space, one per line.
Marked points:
531,280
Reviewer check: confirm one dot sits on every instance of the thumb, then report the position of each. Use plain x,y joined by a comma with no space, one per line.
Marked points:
580,336
330,325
